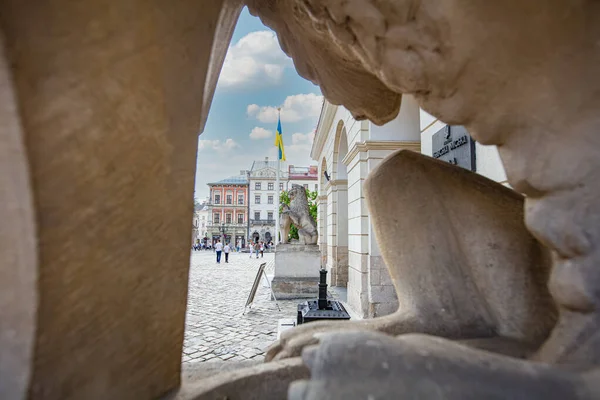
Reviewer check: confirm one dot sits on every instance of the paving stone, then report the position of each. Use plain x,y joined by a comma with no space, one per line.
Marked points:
216,326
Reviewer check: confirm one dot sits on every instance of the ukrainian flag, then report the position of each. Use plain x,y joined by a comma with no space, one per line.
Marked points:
279,141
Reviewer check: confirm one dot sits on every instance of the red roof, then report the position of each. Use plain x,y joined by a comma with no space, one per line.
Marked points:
311,172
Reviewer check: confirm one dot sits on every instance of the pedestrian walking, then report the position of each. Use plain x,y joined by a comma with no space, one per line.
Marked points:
256,248
218,249
227,249
261,249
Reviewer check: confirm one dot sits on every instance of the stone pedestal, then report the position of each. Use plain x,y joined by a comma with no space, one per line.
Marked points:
296,271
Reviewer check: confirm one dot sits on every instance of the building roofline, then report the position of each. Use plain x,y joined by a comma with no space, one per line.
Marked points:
326,117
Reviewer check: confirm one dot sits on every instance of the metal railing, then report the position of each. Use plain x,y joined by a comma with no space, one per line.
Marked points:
221,204
262,221
219,225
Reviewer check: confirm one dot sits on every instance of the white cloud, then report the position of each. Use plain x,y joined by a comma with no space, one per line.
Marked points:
217,145
253,109
293,109
260,133
256,59
303,138
298,152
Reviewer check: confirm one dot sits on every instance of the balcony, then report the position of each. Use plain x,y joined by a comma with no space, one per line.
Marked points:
225,205
262,222
219,226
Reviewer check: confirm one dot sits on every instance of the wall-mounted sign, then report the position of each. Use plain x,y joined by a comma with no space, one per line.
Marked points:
453,144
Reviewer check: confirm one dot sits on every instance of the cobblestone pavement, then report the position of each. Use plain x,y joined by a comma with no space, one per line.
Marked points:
215,326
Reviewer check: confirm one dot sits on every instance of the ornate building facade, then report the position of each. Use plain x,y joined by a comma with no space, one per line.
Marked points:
228,210
200,222
263,199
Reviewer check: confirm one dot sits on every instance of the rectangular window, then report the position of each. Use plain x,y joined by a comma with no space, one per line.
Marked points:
256,215
281,186
229,199
217,199
270,216
256,185
270,199
305,186
240,218
271,185
240,199
257,199
316,187
228,218
216,218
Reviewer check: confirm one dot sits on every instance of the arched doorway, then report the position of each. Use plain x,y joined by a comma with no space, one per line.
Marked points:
340,192
322,220
268,236
255,236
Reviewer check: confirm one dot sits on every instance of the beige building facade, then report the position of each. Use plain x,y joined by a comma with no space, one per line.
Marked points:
346,151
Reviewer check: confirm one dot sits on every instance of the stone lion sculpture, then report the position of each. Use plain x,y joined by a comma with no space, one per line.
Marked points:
501,69
478,269
298,213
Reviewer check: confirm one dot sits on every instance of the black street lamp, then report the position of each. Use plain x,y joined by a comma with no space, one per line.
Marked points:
223,232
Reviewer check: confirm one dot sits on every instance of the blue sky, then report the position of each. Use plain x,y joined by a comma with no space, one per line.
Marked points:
257,77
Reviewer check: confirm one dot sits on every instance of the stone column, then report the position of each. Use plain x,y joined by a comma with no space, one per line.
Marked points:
340,255
100,115
331,231
322,224
358,248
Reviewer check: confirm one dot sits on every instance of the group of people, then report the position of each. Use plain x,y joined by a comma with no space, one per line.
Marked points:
219,248
257,247
199,245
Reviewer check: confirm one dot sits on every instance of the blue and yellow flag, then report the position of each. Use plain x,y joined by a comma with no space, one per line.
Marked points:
279,141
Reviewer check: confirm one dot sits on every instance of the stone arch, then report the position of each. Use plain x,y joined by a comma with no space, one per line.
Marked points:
339,191
340,141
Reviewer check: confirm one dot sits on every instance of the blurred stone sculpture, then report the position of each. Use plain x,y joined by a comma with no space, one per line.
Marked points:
519,75
298,213
459,273
100,109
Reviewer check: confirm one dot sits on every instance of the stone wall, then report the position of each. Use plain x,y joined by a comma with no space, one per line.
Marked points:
296,271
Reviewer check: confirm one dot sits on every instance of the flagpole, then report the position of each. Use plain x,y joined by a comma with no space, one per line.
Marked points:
277,192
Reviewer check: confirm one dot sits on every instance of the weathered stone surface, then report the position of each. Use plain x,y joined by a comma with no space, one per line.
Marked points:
534,95
107,98
296,271
111,96
262,382
442,53
294,288
18,259
428,368
488,280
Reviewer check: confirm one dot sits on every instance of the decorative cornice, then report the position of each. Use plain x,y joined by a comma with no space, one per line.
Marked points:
322,197
360,147
328,111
